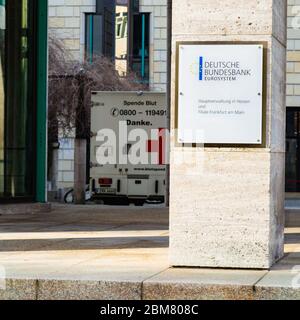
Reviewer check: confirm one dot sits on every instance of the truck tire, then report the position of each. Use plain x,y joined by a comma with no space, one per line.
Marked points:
139,203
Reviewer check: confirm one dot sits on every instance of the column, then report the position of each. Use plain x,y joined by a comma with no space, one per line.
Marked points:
227,206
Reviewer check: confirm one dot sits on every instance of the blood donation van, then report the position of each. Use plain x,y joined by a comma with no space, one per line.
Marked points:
128,147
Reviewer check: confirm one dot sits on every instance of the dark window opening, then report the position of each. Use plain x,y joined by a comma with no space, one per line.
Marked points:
141,46
100,31
293,150
93,36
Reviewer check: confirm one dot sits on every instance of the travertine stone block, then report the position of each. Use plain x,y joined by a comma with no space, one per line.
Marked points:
227,211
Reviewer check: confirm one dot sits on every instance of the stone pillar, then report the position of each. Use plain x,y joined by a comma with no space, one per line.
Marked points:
230,214
80,171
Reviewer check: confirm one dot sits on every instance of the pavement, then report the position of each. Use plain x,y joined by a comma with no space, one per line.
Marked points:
97,252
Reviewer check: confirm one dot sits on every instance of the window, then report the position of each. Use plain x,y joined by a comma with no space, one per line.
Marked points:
293,150
141,46
93,36
100,31
120,32
17,114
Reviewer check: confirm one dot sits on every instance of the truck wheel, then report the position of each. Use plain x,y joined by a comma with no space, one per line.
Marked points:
69,196
139,203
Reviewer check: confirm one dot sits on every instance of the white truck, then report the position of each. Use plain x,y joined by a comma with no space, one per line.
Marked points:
118,176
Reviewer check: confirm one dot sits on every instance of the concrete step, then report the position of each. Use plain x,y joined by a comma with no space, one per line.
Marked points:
178,284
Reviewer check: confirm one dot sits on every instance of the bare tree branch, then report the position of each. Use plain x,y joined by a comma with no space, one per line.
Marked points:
65,84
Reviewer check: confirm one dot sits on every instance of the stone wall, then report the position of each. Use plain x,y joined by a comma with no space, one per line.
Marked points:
66,21
293,54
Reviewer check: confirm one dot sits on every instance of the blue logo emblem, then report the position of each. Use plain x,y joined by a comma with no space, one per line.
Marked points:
201,68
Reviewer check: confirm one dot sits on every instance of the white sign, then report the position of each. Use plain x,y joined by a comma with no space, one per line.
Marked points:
220,90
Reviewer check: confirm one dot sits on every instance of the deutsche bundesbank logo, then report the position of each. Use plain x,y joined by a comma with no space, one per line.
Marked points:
219,70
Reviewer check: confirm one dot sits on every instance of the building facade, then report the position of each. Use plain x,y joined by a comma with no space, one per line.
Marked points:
132,33
72,21
293,98
23,87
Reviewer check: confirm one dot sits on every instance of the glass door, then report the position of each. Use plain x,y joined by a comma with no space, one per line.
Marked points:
17,114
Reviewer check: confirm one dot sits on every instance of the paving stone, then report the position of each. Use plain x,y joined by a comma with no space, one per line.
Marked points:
18,289
202,284
87,290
